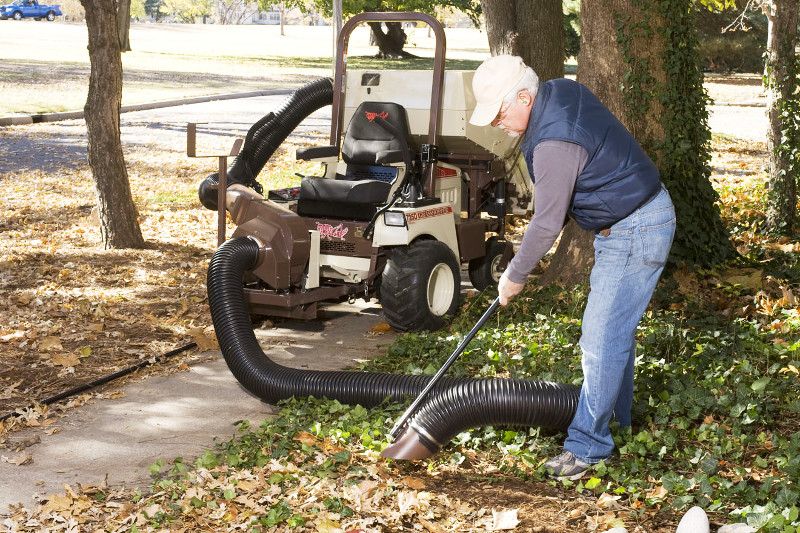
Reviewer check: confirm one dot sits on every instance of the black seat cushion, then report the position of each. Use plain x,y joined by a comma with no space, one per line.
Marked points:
356,200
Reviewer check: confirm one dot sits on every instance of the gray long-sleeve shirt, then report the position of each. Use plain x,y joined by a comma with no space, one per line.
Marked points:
556,166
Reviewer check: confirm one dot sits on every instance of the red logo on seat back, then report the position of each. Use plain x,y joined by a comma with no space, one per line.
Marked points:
371,116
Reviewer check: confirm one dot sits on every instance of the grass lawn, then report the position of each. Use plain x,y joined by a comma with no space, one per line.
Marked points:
47,64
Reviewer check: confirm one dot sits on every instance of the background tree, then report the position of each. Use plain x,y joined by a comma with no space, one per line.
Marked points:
235,11
153,8
572,27
119,225
124,25
531,29
137,10
732,36
187,10
783,106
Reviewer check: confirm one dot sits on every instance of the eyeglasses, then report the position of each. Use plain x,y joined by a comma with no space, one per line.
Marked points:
501,115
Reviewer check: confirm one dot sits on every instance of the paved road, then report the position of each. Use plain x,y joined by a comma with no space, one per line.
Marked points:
53,145
744,122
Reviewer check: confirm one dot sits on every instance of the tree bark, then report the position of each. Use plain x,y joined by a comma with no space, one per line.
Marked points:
781,78
531,29
119,224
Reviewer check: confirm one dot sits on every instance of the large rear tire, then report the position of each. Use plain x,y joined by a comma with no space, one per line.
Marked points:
485,271
420,286
51,16
17,15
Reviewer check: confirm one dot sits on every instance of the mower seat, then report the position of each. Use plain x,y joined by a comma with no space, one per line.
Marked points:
377,136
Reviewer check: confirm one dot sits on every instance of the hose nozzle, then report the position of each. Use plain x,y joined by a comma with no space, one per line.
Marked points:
410,445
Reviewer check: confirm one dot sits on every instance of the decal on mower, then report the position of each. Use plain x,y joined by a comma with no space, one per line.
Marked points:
329,232
428,213
371,116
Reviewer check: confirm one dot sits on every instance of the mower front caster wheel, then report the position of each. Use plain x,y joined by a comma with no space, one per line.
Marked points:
485,271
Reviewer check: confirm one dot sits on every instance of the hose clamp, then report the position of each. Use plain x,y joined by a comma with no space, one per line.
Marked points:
419,429
259,242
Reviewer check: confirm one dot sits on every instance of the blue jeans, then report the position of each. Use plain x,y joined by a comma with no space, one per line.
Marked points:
628,263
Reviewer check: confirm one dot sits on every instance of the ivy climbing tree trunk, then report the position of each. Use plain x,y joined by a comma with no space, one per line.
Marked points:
531,29
783,138
119,224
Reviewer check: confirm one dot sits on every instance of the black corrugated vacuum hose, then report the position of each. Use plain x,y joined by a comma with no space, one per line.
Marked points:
266,135
456,404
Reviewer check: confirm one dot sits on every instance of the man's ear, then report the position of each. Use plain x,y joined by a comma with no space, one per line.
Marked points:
525,97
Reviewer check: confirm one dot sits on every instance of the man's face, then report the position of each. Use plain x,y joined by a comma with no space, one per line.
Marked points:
513,118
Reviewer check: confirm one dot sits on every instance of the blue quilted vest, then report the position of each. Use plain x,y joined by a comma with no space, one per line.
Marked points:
618,177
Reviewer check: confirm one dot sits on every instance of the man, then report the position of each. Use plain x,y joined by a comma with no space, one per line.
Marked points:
587,166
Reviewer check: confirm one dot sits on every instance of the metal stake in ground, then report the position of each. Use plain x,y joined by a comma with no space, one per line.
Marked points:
401,422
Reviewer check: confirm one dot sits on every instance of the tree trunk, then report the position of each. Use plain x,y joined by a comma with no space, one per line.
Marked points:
531,29
124,25
119,224
572,259
781,78
390,41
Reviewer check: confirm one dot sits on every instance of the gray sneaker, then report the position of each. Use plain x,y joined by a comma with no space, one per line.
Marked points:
566,466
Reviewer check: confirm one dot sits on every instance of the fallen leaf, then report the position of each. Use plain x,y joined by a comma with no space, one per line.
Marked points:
50,343
306,438
430,526
204,342
413,482
57,503
657,493
23,458
66,359
789,368
380,328
9,391
407,501
687,281
607,500
504,519
329,526
749,278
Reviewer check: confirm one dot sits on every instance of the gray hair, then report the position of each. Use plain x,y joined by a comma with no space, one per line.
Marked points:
529,82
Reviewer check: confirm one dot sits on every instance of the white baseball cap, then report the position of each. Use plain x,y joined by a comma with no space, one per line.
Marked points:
493,80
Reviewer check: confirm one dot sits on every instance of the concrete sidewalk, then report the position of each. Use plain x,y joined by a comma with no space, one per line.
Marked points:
177,415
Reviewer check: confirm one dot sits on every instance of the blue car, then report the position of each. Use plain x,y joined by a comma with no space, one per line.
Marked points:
19,9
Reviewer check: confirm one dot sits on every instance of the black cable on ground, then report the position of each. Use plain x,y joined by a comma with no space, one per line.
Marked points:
104,379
